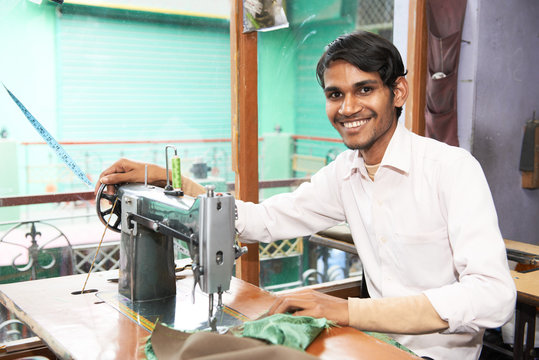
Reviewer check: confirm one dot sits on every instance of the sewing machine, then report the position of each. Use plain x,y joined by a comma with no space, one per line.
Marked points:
149,217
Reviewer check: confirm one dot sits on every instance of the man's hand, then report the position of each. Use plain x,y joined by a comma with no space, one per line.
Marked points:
129,171
312,303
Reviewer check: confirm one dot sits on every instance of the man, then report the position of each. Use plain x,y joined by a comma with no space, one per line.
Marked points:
420,213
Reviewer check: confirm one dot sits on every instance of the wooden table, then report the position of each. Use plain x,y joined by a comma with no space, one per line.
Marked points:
522,252
84,327
527,284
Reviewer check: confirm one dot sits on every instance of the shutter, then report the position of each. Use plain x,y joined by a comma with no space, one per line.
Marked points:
126,77
135,80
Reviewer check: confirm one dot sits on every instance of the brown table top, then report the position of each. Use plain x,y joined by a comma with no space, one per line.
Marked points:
527,284
85,327
520,246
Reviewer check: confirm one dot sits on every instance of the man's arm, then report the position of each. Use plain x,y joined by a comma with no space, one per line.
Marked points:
315,205
484,295
129,171
399,315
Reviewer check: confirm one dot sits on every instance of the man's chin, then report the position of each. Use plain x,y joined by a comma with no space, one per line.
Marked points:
356,146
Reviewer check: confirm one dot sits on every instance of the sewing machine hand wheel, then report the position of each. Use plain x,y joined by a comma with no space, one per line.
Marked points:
113,224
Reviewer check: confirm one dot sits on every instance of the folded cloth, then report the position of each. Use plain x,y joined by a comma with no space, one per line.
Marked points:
296,332
169,344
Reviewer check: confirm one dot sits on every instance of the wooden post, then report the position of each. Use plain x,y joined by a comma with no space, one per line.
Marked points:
417,66
244,72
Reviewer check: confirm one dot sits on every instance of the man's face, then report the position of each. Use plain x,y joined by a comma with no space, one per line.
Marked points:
361,108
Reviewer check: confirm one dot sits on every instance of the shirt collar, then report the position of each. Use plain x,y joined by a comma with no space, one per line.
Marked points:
357,164
397,154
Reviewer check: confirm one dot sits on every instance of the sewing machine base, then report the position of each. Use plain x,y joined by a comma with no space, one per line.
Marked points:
178,312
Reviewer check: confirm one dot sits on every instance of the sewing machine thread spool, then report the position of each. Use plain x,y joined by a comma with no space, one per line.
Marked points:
176,172
176,187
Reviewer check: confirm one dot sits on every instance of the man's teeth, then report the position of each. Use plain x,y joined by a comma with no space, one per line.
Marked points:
353,124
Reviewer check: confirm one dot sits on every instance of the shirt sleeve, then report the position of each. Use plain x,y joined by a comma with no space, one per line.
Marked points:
484,295
312,207
398,315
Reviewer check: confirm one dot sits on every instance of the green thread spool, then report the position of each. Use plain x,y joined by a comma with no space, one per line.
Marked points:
176,172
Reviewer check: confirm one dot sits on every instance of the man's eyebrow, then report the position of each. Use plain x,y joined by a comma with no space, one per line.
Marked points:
356,85
365,82
331,89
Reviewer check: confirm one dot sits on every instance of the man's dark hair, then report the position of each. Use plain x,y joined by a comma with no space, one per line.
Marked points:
368,52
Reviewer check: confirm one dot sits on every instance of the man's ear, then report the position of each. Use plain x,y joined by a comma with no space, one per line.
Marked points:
400,91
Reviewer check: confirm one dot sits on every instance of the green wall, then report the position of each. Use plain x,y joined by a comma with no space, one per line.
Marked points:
277,52
27,68
27,65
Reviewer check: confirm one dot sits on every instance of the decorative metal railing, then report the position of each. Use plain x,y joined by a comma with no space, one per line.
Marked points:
39,249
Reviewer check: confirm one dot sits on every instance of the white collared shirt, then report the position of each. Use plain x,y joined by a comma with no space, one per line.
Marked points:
426,224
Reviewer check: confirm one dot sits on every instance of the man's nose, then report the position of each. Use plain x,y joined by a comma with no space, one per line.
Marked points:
350,106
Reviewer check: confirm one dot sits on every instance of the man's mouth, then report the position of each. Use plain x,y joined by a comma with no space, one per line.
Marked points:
354,124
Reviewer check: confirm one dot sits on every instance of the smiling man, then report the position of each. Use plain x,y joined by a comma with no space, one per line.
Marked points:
420,213
362,108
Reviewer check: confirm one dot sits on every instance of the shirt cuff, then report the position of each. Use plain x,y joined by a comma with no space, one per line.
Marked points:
242,219
456,313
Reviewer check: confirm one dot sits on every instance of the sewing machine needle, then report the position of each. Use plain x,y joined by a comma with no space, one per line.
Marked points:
212,320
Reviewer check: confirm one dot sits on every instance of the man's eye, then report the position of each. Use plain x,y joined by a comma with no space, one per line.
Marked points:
333,95
365,90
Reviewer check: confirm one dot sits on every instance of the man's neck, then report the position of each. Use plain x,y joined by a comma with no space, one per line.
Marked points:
371,170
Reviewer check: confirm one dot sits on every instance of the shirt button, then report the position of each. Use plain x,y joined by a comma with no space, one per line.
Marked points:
383,240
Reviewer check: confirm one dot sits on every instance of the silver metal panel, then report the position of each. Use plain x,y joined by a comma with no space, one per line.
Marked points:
217,236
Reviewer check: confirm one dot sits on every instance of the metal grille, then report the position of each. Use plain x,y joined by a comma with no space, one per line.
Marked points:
376,16
107,259
283,248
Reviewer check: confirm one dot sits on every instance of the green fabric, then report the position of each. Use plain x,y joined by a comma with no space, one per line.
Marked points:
296,332
148,350
387,339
